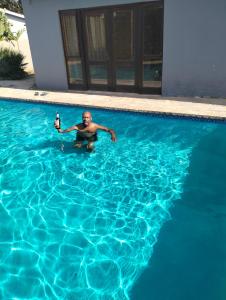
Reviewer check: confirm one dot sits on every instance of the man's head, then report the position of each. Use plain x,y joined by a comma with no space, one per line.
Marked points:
86,118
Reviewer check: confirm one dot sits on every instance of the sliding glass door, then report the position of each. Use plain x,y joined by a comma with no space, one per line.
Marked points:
115,48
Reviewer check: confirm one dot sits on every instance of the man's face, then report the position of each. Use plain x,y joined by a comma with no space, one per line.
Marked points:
86,118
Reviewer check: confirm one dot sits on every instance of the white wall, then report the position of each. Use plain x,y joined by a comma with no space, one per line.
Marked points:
194,44
44,33
194,61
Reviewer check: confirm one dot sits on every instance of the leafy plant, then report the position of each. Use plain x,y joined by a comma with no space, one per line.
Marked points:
5,30
11,64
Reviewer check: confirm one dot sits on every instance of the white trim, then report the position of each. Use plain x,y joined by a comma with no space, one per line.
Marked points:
11,13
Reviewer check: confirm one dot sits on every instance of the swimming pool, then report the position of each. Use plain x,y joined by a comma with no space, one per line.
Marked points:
76,225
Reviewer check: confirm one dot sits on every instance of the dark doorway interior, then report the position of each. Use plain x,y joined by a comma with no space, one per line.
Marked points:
114,48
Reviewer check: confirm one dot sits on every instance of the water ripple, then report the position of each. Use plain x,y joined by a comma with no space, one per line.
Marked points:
83,226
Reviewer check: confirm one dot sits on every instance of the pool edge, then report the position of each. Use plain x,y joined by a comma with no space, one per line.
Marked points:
148,105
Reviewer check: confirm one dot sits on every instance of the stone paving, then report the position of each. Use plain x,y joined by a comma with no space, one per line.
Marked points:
192,107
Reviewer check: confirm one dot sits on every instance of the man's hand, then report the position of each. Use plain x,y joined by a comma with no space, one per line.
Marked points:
113,136
56,124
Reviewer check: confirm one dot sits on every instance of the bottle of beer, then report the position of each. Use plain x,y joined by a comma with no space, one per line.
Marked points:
57,121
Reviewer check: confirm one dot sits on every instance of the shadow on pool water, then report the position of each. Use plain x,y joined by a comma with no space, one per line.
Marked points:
189,259
63,146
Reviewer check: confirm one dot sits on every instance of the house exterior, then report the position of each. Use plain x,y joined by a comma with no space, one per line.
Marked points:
169,47
17,22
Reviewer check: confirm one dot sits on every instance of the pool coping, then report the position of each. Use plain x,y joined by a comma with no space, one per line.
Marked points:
198,108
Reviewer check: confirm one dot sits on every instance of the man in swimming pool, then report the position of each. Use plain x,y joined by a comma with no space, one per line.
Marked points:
87,131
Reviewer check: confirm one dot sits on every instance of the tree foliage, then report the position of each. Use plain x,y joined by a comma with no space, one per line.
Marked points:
5,30
13,5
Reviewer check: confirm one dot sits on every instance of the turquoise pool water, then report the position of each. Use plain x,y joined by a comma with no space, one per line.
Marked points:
76,225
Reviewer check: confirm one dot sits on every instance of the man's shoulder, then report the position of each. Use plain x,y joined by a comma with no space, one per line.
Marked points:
93,125
96,125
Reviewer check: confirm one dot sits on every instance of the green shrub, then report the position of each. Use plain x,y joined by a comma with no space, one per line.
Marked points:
11,64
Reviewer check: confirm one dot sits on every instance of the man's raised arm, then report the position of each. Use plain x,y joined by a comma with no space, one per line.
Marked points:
111,131
68,129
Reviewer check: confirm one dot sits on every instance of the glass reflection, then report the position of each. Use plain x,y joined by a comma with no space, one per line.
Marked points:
75,71
98,74
96,38
125,75
123,35
152,74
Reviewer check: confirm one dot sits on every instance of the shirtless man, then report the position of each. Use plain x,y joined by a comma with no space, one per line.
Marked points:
87,131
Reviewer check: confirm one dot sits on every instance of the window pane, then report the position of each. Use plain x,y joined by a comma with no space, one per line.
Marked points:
75,71
152,74
70,35
123,34
125,75
152,56
98,74
153,22
95,29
